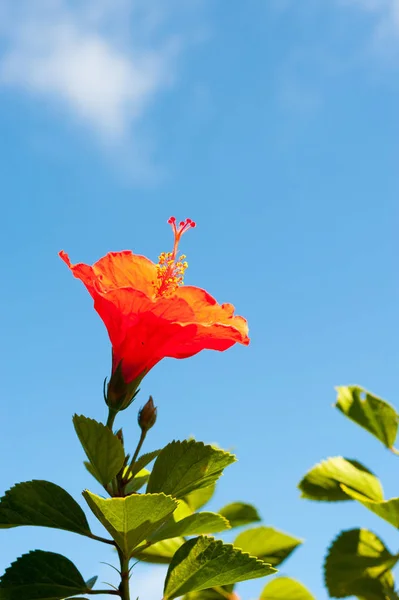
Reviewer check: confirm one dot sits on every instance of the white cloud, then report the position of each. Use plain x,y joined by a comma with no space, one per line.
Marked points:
101,61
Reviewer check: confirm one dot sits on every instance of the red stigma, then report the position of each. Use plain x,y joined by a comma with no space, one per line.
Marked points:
183,226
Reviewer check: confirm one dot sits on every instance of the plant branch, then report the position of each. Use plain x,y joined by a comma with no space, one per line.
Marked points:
101,539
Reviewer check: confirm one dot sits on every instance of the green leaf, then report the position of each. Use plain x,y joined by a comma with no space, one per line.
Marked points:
370,412
159,553
143,461
386,509
267,544
239,514
285,588
198,523
44,504
133,519
183,467
162,552
198,498
91,582
91,470
41,576
224,592
359,564
204,562
103,449
182,511
324,481
137,482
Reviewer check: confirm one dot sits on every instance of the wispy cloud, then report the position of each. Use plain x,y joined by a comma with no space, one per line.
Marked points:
361,40
102,61
385,27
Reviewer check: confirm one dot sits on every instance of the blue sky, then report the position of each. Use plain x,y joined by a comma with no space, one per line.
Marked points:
275,126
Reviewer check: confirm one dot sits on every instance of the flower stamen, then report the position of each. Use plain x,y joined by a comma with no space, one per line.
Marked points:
171,268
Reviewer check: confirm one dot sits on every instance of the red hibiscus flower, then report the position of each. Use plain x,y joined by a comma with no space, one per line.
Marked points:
150,314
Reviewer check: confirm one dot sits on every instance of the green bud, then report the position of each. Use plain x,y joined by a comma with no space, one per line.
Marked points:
147,415
119,394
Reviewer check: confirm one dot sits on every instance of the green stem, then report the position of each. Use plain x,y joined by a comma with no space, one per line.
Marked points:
112,592
111,417
101,539
124,590
141,442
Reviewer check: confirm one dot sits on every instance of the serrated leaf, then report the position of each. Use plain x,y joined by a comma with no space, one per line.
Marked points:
133,519
137,482
285,588
268,544
43,504
198,498
359,564
204,562
159,553
239,513
370,412
387,509
198,523
41,576
103,449
143,461
324,481
183,467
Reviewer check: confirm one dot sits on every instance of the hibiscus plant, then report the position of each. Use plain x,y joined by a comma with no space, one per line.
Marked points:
358,563
149,315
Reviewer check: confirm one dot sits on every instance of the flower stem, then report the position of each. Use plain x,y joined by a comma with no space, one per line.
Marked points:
111,418
141,442
124,590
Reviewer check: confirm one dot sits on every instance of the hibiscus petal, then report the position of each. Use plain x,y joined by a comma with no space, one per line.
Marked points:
207,311
125,269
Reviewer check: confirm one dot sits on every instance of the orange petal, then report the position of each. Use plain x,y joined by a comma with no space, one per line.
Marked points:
125,269
116,270
215,337
81,271
207,311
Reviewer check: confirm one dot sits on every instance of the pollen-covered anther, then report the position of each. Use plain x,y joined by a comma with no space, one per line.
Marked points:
170,269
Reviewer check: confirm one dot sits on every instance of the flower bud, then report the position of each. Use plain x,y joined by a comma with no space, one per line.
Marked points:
147,415
121,394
